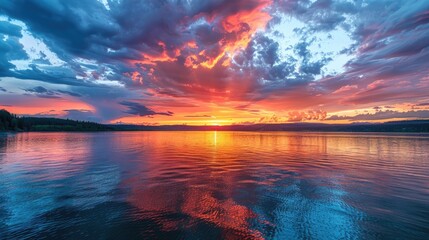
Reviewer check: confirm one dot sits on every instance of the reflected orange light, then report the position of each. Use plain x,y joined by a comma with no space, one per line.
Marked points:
68,159
202,204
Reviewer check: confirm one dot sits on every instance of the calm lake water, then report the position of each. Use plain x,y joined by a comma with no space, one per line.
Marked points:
214,185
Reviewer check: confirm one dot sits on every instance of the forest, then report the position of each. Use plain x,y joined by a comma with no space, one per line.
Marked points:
12,122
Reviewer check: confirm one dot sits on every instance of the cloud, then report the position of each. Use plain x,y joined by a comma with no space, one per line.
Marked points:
198,116
45,93
10,29
162,50
422,104
74,114
45,114
321,15
345,88
298,116
138,109
42,92
81,114
10,49
73,94
383,115
270,119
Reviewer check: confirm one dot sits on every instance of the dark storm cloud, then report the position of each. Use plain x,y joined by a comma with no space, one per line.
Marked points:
138,109
70,28
72,25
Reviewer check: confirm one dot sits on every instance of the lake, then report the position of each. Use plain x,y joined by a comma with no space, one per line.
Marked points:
214,185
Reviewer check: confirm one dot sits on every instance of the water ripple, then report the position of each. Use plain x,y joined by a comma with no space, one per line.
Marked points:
208,185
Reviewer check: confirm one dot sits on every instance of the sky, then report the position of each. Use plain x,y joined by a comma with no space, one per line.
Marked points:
215,62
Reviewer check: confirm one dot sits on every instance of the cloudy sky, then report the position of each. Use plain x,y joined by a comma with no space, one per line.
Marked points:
215,62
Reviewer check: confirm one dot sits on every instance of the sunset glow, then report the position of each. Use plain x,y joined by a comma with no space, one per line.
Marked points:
215,62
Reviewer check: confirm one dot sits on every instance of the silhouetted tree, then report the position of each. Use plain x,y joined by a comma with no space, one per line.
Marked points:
10,122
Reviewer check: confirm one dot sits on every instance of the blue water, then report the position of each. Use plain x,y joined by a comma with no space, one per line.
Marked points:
214,185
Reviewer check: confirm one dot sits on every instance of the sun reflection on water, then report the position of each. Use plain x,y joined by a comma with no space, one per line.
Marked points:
228,185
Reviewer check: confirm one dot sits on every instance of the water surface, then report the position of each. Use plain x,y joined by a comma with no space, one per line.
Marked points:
214,185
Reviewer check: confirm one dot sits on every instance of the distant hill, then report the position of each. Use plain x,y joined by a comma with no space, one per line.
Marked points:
11,122
397,126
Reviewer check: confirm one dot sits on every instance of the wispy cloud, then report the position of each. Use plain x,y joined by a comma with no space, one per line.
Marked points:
138,109
383,115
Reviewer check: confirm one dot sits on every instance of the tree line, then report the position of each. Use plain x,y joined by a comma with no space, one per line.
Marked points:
12,122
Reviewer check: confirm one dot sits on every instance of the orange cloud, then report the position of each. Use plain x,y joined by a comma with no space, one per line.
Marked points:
345,89
152,59
241,25
297,116
237,28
